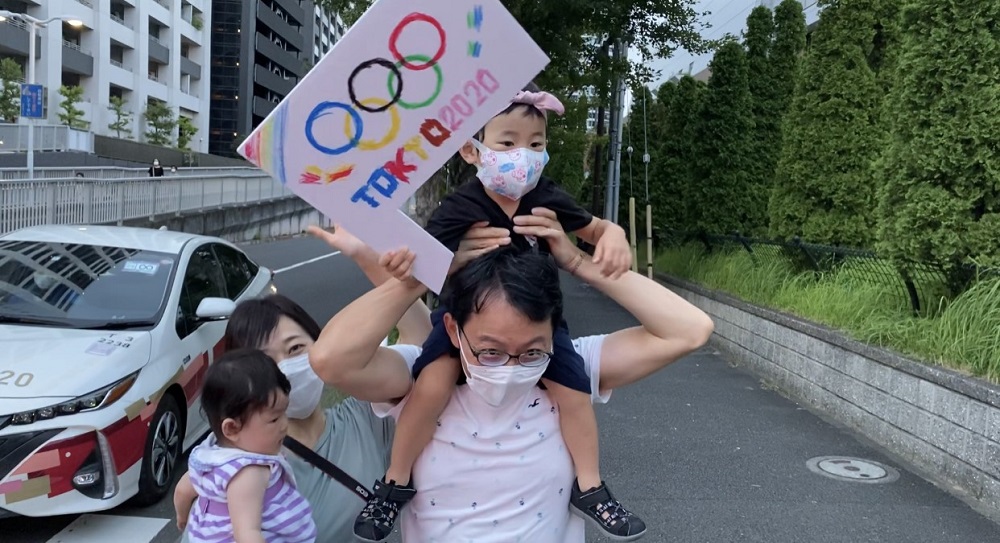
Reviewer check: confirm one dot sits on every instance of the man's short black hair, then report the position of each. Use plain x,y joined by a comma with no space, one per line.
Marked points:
527,279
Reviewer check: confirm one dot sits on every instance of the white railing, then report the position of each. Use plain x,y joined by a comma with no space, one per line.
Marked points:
14,138
76,201
91,173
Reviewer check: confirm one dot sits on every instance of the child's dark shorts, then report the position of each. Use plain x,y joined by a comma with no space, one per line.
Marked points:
566,366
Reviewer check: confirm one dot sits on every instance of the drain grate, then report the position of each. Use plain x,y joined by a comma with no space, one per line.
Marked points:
845,468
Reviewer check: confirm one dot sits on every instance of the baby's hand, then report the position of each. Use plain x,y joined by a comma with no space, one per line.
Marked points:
399,264
613,253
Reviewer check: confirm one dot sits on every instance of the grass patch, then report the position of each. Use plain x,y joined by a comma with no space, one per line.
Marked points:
963,334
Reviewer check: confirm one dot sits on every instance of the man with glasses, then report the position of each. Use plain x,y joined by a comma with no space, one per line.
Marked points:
497,469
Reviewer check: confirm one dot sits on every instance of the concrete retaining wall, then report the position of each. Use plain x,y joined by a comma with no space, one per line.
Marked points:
944,424
281,217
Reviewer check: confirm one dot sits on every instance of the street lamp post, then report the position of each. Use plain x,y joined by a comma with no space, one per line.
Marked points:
33,25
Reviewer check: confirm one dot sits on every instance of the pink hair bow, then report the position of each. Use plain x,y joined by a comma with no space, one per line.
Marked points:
541,100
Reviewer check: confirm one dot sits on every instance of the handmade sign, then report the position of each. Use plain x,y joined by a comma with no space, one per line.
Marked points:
400,93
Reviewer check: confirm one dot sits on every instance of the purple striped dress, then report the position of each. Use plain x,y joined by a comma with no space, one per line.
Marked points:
287,517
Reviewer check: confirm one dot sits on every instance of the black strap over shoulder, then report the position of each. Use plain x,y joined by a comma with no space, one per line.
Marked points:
327,467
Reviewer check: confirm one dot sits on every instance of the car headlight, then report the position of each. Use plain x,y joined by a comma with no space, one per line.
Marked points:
88,402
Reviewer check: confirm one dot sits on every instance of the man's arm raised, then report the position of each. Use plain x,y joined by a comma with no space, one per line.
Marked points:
347,354
670,327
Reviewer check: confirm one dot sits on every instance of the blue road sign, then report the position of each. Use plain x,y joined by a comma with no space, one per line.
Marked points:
31,101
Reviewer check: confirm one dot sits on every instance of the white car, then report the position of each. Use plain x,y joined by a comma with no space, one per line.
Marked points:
105,336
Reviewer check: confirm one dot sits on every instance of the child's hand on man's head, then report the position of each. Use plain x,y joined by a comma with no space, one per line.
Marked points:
613,253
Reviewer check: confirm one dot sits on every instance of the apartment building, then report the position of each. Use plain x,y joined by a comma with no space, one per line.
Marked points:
261,49
139,50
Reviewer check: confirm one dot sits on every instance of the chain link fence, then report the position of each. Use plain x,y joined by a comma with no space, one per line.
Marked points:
923,284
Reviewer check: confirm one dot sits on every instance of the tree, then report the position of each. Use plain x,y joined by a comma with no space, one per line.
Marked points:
186,130
758,39
672,185
123,117
823,190
160,123
723,196
568,145
10,91
789,42
940,202
69,114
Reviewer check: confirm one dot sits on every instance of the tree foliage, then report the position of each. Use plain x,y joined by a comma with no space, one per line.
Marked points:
789,42
671,172
122,117
160,123
69,114
723,195
759,39
941,198
823,189
186,131
10,89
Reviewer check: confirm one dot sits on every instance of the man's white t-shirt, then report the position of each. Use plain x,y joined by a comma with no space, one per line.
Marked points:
495,475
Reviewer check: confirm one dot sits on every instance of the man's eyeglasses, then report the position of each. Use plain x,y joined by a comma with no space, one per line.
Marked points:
495,357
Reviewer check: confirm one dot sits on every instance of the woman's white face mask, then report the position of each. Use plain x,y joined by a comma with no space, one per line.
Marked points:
307,387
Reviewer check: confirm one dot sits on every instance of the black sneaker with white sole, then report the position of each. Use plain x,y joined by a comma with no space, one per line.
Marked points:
598,507
375,522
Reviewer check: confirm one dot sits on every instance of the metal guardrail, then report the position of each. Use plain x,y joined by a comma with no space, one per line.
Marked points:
109,201
48,137
115,172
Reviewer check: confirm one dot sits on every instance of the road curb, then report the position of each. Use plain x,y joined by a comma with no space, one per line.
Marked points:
943,423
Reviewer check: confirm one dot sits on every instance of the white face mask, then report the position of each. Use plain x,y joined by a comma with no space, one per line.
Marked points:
511,173
307,387
497,385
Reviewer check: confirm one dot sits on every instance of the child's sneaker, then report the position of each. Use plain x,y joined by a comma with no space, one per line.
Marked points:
376,520
602,510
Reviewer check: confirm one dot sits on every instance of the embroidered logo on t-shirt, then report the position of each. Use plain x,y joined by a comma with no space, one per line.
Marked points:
534,403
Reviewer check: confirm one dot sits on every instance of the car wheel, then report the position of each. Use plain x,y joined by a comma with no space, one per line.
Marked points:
162,453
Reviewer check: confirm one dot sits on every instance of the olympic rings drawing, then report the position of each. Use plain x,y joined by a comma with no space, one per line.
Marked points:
371,145
394,37
437,88
393,71
394,84
324,109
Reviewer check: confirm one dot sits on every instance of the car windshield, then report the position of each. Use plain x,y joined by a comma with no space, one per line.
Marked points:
82,286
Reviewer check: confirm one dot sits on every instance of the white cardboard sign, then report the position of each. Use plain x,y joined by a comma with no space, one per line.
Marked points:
400,93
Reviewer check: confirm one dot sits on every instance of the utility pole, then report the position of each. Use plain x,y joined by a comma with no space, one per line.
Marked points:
619,124
610,205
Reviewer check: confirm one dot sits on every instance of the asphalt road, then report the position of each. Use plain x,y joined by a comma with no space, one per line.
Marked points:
701,450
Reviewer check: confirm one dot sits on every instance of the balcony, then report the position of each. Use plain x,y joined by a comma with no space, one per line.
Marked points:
272,81
158,51
14,39
294,8
77,60
190,67
289,33
262,107
284,58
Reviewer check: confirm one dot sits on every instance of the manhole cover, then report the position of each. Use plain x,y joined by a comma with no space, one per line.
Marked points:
845,468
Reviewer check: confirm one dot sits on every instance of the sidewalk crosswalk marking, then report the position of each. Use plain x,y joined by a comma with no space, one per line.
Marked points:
110,529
